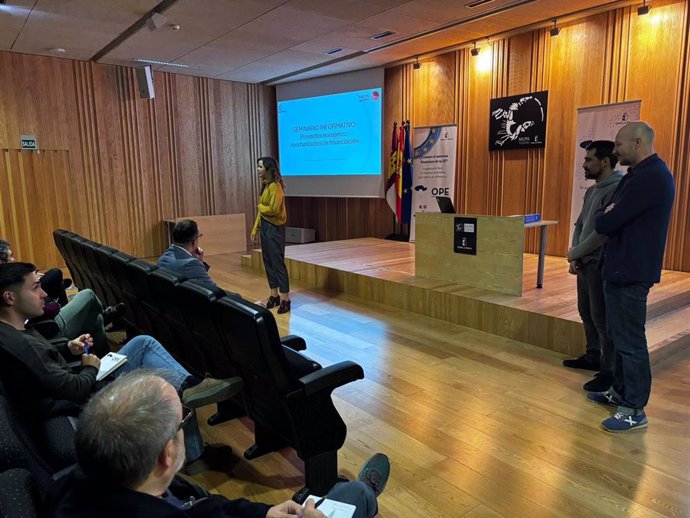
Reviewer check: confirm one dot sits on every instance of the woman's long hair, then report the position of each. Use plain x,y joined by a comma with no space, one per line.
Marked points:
271,167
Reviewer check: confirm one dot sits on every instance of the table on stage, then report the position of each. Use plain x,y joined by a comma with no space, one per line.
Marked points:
542,246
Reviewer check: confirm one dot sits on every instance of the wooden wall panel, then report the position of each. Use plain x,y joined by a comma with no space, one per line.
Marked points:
35,187
434,79
341,218
610,57
127,163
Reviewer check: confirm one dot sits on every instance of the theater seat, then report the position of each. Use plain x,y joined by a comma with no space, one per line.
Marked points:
287,409
19,497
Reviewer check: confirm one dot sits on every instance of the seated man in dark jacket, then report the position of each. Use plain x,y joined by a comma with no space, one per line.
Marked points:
36,373
185,257
83,314
130,445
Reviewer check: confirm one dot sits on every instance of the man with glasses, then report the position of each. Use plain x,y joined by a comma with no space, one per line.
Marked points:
130,445
185,256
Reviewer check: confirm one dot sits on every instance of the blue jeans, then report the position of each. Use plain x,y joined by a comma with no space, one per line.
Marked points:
145,352
626,315
358,494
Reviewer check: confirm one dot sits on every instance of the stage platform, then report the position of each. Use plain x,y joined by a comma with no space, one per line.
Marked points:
384,271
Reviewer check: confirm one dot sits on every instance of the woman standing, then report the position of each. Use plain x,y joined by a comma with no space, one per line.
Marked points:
270,222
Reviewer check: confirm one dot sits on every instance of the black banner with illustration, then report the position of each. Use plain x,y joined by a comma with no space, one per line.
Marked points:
518,121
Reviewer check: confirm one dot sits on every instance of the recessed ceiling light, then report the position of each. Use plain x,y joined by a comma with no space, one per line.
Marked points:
58,50
165,63
381,35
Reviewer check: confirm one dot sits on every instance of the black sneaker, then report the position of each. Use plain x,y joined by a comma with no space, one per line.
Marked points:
583,362
600,383
374,472
111,314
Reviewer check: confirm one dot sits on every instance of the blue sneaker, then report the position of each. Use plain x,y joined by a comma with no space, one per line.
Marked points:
624,422
603,398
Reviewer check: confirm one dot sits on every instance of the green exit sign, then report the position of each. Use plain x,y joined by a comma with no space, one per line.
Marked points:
28,142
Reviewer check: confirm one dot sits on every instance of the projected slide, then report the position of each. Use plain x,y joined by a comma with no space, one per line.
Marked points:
337,134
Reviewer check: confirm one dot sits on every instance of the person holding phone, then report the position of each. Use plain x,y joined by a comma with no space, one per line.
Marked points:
270,225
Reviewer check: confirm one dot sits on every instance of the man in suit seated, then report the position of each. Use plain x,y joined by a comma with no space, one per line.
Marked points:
130,445
37,376
185,257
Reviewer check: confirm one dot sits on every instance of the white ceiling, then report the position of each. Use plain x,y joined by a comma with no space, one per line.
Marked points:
260,40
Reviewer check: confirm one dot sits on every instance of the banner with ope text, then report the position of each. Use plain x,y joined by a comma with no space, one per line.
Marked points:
433,171
596,123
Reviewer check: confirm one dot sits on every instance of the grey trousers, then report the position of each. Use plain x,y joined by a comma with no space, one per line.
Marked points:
273,253
83,315
592,308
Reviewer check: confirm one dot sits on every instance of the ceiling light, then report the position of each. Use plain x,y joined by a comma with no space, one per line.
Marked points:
643,9
417,65
333,51
175,27
381,35
164,63
554,31
57,50
475,50
156,21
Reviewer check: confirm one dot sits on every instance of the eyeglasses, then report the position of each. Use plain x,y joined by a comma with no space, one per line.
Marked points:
187,414
198,236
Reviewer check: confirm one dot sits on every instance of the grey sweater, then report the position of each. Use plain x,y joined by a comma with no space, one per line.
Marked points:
586,241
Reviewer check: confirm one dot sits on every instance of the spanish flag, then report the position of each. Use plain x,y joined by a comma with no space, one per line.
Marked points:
394,180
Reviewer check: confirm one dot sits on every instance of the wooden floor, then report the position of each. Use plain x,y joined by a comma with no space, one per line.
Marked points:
475,425
384,271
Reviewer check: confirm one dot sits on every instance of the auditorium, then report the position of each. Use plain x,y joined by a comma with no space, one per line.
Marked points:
345,258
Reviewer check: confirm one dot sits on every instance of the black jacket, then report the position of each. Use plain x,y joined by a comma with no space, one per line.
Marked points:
76,496
36,374
638,224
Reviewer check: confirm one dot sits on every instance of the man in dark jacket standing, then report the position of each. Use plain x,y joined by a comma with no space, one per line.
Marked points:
636,223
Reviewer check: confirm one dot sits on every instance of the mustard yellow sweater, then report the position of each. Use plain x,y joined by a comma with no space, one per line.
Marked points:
271,206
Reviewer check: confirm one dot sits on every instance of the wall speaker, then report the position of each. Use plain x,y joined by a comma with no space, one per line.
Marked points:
145,82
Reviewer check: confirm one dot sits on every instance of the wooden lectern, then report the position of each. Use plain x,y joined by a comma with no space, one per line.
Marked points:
500,248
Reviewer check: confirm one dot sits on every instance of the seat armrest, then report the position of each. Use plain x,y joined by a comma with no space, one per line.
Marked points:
331,377
294,342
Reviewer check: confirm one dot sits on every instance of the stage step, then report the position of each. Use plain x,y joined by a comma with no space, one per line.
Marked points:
547,319
668,334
